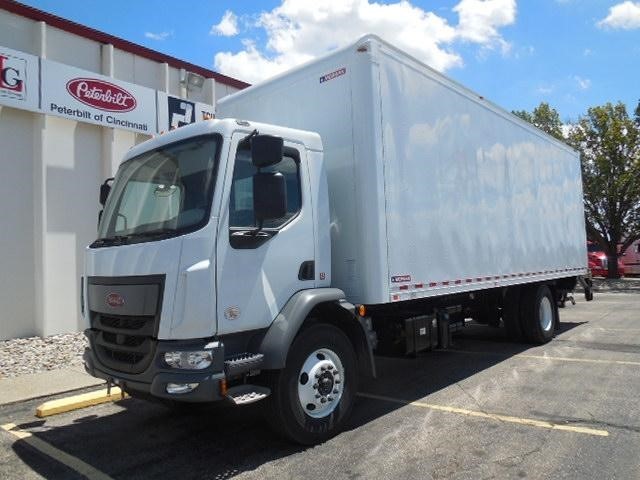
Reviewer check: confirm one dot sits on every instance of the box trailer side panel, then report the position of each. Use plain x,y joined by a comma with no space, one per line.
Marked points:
433,190
474,197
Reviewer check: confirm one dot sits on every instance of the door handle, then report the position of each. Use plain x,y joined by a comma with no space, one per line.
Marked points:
307,270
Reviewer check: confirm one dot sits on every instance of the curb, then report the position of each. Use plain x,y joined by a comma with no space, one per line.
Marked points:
77,402
31,399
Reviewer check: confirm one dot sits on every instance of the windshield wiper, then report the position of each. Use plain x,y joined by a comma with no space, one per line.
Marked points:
153,233
115,240
127,239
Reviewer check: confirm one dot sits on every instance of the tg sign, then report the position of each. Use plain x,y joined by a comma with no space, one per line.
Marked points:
18,79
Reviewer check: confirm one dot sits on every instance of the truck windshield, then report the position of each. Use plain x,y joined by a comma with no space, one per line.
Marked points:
161,193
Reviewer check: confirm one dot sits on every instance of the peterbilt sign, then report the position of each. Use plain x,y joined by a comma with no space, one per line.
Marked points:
71,93
101,95
18,79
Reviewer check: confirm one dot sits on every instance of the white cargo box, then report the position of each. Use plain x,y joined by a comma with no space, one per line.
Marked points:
433,189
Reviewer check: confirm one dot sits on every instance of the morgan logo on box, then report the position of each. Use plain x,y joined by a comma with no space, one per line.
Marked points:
401,278
332,75
13,73
101,95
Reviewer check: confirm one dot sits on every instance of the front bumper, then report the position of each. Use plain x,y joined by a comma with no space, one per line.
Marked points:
154,379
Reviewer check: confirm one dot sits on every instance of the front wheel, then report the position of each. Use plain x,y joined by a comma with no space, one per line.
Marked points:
312,397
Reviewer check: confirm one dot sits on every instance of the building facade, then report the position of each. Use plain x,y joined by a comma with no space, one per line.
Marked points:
73,100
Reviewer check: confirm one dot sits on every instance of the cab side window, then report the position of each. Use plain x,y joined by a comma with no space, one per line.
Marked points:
241,214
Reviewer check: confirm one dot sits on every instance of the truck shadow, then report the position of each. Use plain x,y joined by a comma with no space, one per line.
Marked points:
135,439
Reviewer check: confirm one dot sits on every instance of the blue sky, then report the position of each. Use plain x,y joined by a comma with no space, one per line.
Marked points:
572,54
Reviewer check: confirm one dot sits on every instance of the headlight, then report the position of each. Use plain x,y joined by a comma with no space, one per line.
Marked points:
179,388
193,360
605,262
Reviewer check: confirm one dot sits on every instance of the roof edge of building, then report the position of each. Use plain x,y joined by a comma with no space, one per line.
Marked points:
93,34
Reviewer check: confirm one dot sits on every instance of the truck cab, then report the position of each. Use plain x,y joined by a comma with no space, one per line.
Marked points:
213,253
631,259
598,261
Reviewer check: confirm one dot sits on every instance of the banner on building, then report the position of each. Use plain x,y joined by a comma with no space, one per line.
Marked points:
18,79
174,112
87,97
30,83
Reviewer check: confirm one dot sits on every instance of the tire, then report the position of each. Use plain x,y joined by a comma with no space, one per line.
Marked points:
511,315
302,407
539,314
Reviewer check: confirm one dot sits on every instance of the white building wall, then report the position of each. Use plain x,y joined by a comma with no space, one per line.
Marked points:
72,50
17,279
17,32
50,171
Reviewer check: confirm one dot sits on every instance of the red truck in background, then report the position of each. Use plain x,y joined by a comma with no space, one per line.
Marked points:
631,259
598,261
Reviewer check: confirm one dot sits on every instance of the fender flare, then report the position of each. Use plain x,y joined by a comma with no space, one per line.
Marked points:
280,335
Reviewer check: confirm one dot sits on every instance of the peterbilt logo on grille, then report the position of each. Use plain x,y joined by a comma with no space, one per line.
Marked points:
115,300
102,95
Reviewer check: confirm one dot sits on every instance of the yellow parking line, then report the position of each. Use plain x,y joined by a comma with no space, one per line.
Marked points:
548,357
617,329
70,461
579,360
492,416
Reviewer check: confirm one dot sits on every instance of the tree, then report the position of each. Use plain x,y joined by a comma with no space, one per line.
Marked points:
545,118
609,144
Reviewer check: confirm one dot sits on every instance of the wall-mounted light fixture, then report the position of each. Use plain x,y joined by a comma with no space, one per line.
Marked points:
192,81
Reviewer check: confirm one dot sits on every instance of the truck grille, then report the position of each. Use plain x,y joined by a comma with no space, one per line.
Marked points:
124,334
126,323
124,343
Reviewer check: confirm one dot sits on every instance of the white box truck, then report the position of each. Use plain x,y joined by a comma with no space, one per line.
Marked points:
361,203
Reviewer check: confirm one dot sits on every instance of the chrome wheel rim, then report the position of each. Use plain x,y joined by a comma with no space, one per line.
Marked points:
545,314
320,383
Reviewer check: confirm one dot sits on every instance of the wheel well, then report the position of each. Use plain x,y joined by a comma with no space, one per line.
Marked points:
334,314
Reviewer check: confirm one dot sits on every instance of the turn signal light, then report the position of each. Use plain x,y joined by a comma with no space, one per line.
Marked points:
223,387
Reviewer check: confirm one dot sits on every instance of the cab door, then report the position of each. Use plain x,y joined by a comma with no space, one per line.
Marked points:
257,273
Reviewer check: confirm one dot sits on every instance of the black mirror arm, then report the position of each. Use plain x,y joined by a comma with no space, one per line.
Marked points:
105,189
246,141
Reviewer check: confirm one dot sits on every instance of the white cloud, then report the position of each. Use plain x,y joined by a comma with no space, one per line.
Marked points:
625,15
300,30
158,36
228,26
583,83
480,20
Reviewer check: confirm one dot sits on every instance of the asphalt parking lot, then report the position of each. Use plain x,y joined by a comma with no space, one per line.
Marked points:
485,409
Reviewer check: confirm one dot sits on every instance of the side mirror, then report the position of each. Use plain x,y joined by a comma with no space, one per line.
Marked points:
266,150
269,196
105,188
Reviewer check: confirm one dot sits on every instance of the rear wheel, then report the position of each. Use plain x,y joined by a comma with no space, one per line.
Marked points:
313,395
539,314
